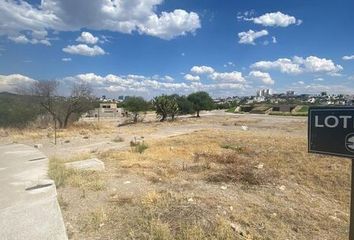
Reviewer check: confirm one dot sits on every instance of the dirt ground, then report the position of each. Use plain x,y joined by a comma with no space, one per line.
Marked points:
221,176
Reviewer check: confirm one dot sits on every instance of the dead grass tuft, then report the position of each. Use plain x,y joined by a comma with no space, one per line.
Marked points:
239,149
120,200
236,168
94,220
57,171
85,180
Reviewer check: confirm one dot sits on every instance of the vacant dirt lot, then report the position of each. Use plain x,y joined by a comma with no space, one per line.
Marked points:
207,178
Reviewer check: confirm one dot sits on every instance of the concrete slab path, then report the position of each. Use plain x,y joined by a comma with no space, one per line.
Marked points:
28,199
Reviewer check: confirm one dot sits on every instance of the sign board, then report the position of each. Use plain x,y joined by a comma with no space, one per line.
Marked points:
331,131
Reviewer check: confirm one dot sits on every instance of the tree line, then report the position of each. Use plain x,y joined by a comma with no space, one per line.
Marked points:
42,98
169,106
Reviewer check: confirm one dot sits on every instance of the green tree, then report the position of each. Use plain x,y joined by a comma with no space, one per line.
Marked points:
165,106
184,105
201,101
135,105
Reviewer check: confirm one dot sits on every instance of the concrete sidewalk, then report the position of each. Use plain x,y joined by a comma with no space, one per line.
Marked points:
28,199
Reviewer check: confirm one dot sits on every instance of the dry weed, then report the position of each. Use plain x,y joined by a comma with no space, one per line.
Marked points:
85,180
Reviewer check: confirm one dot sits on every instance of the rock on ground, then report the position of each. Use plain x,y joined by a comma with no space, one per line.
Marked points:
93,164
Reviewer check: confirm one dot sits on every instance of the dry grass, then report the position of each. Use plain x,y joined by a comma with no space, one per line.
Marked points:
81,128
237,168
57,172
168,215
94,220
84,180
17,135
215,184
282,153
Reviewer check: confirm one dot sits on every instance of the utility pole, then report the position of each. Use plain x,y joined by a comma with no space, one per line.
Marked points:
55,132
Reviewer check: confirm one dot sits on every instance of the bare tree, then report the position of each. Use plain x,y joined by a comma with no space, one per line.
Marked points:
46,91
64,109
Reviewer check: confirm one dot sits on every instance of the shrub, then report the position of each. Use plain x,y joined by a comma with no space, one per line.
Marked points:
138,146
232,147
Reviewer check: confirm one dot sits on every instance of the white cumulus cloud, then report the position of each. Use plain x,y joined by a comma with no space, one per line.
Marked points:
262,76
23,39
315,64
284,65
13,82
190,77
87,38
348,57
171,24
202,70
250,36
83,49
125,16
146,86
167,78
228,77
298,65
273,19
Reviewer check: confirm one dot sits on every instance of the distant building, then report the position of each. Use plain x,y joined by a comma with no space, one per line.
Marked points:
323,94
263,93
290,93
108,107
106,110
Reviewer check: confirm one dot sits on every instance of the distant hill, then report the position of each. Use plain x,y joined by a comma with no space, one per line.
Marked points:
18,110
8,94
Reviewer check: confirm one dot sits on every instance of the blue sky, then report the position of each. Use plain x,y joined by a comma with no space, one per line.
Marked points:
149,47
